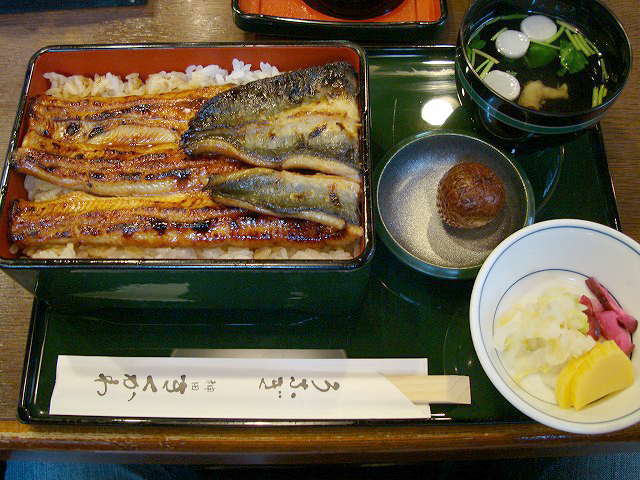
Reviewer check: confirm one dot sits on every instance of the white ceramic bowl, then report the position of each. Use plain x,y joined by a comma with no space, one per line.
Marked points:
557,252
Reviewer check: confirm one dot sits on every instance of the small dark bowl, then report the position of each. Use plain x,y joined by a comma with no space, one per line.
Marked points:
507,121
353,9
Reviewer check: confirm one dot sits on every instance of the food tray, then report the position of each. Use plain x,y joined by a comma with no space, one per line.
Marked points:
405,313
409,21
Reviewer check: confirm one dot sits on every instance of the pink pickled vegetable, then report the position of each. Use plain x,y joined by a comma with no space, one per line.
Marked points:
609,303
594,325
596,305
612,330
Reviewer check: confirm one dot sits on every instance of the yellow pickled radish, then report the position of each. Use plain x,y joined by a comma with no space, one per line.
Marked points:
604,370
563,387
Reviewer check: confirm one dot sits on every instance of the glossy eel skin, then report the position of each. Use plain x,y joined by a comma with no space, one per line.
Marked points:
117,145
104,121
118,171
184,220
306,119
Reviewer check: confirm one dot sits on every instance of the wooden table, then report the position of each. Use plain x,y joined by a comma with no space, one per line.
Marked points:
209,21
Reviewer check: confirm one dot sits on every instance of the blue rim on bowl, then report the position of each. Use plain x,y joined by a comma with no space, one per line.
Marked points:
544,254
408,223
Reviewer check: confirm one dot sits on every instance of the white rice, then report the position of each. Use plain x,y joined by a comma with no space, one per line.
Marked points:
195,76
41,190
222,253
109,85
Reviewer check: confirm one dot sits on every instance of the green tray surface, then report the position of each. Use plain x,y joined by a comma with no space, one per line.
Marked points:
405,313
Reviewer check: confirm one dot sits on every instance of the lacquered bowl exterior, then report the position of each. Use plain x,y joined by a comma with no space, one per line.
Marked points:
315,285
353,9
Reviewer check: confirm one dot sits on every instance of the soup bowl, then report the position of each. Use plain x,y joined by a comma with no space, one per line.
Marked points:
507,121
353,9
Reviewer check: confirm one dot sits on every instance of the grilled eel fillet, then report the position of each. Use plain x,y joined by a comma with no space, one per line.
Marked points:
117,146
325,199
107,121
182,220
304,119
118,171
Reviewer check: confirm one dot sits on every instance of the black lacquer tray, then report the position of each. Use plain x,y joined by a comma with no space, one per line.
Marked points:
405,313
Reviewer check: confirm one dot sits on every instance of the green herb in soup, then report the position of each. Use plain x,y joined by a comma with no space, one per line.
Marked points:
540,63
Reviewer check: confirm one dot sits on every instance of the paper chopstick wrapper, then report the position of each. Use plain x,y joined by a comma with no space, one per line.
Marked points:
232,388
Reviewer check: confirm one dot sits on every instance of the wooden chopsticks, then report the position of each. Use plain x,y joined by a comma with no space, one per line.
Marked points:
433,389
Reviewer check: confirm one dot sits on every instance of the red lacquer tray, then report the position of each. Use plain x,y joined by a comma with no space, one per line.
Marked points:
295,18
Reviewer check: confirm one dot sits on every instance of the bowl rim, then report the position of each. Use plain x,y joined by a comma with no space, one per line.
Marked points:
479,346
403,254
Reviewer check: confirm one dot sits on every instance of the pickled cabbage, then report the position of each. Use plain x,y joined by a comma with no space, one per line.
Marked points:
542,337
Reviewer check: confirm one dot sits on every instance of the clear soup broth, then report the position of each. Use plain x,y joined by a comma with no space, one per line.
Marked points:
565,72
